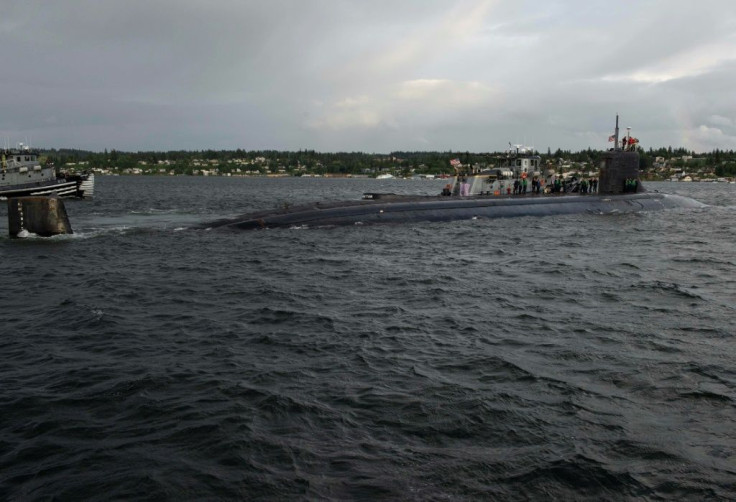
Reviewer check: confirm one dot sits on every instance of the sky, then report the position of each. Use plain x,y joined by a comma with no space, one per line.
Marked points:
373,76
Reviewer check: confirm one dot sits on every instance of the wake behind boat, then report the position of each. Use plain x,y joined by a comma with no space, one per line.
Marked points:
21,175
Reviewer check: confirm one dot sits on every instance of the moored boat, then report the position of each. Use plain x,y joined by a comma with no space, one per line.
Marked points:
21,175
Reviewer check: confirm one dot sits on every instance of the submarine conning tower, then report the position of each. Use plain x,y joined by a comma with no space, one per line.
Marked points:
617,167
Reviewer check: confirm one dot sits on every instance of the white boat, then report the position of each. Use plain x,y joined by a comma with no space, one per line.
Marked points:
21,174
384,176
519,163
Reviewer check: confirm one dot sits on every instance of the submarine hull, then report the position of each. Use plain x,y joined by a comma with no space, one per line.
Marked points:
416,209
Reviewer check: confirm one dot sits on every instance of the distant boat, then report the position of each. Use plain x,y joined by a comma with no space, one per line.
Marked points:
21,174
384,176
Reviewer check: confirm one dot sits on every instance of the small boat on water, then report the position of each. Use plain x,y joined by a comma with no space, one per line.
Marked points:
515,186
21,174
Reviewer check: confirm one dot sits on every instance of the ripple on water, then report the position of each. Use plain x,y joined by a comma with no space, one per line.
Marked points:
575,357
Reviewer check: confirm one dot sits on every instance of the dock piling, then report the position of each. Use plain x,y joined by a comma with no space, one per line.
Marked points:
40,215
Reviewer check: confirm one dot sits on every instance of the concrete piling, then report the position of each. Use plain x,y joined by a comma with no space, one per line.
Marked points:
40,215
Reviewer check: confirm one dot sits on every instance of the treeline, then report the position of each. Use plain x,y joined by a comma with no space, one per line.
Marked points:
185,161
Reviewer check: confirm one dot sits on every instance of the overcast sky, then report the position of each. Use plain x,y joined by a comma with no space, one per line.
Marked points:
366,75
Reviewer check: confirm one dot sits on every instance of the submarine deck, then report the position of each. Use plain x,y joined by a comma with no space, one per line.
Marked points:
393,208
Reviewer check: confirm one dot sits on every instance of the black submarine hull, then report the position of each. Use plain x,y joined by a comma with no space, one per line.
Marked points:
407,209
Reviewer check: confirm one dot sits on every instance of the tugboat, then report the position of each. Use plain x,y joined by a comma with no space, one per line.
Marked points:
21,174
493,193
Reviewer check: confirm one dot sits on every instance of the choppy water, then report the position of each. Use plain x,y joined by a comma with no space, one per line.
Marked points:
567,357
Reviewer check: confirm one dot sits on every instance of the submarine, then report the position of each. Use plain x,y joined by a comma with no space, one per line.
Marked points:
494,193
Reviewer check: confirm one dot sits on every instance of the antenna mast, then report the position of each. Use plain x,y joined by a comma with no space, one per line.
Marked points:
615,145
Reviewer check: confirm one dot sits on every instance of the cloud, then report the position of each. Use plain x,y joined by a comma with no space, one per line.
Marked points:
350,112
720,121
373,76
690,63
407,105
438,92
706,138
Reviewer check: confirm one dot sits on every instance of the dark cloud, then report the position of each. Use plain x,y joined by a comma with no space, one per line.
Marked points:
373,76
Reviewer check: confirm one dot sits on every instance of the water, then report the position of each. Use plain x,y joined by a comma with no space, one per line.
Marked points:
567,357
